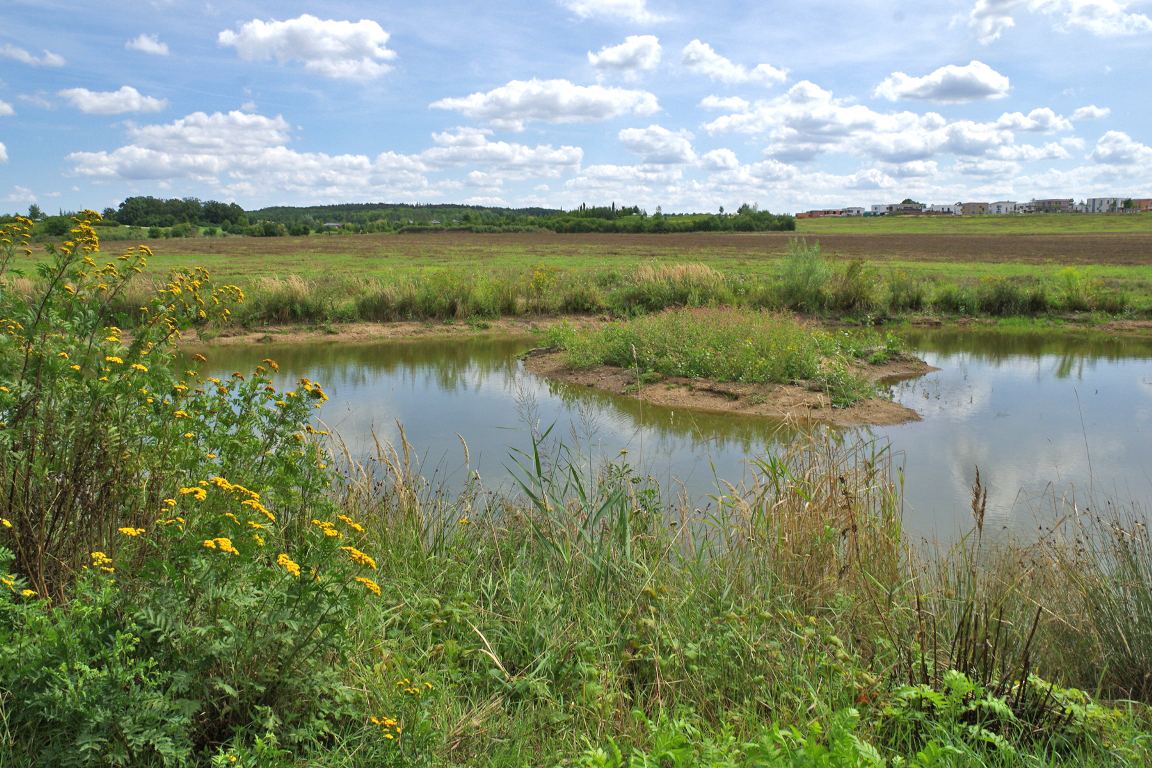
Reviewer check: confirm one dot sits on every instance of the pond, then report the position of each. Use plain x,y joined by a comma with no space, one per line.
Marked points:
1043,415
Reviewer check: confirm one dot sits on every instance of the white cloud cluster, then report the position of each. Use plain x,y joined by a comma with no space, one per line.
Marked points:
1091,112
147,44
633,10
3,153
550,101
49,59
127,99
246,154
1117,148
809,122
635,53
700,57
6,109
949,85
1042,120
658,145
344,49
1106,18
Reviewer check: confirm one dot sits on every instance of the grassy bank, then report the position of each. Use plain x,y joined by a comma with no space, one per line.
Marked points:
189,577
805,279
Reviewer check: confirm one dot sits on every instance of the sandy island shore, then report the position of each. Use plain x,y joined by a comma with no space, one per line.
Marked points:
778,401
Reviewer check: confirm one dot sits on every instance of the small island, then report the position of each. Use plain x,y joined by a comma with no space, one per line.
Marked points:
740,361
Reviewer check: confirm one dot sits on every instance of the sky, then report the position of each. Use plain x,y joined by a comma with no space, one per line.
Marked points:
688,106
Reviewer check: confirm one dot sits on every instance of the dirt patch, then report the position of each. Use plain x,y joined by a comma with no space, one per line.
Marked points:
778,401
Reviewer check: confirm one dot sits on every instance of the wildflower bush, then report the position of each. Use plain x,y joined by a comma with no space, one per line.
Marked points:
176,571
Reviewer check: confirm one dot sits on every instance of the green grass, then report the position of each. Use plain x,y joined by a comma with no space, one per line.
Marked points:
727,344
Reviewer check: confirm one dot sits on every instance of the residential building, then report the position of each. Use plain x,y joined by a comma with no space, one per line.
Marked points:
953,208
851,211
818,213
882,210
970,209
1049,205
1142,205
1002,206
1105,204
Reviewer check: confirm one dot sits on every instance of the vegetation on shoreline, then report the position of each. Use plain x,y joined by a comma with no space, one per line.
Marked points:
730,345
187,577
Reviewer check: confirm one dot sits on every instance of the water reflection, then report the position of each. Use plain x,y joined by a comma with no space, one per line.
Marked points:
1037,412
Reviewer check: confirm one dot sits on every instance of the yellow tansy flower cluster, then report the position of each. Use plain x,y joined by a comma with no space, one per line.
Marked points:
327,528
102,561
390,728
369,585
131,531
288,565
350,523
223,544
359,557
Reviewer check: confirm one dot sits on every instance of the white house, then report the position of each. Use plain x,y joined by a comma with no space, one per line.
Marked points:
882,210
953,208
1003,206
851,211
1105,204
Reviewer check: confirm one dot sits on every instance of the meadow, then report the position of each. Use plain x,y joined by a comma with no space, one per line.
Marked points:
193,573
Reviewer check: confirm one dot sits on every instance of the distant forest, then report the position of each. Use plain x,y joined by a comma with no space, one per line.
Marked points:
189,217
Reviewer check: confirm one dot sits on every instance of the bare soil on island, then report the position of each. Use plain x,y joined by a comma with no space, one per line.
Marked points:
793,402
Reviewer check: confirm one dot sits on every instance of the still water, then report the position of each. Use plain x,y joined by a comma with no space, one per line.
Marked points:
1042,415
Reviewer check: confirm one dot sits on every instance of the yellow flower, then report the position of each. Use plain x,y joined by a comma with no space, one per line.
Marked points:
259,508
359,557
74,367
29,593
138,367
350,522
189,435
63,355
113,359
200,357
197,493
271,364
5,523
286,562
209,543
131,531
369,585
169,502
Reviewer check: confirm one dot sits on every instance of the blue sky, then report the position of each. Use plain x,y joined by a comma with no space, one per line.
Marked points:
688,106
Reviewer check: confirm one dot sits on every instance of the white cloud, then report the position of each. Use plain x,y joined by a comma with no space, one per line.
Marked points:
658,145
550,101
871,178
635,53
1038,120
730,103
127,99
989,18
949,85
700,57
3,153
1118,149
20,194
1106,18
330,48
248,106
6,109
470,146
1075,142
910,169
719,160
246,155
808,122
49,59
147,44
634,10
1091,112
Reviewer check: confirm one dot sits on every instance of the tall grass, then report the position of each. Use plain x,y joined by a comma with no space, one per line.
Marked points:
727,344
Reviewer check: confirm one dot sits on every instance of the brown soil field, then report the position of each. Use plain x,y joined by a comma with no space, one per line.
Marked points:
465,248
778,401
